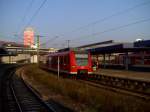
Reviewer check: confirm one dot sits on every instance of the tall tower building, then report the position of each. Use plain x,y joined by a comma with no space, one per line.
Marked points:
29,37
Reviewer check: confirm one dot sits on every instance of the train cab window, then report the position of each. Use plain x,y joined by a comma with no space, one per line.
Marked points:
81,59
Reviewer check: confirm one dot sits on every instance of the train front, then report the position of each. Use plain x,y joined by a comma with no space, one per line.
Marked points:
81,62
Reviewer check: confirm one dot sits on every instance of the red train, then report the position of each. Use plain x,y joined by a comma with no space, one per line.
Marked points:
133,59
71,61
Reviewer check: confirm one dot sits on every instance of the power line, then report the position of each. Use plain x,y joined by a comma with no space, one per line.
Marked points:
35,14
25,14
37,11
110,16
50,40
143,35
115,28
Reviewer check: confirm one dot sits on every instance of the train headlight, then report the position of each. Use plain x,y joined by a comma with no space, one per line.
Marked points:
73,66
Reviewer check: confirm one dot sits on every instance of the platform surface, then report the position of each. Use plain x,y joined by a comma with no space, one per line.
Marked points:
144,76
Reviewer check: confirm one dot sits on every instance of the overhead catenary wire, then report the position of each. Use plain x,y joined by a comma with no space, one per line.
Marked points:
50,40
23,19
37,11
90,24
109,17
25,14
115,28
34,15
98,21
144,35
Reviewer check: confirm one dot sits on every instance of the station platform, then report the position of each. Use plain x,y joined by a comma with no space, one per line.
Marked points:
143,76
137,68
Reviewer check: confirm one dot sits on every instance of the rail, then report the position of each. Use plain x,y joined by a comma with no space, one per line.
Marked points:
21,97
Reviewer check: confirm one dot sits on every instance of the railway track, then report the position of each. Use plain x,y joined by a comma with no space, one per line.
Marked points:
20,97
137,88
133,87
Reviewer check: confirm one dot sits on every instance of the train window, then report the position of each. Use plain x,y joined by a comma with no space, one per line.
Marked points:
81,59
54,60
47,62
50,60
66,60
147,57
63,60
60,60
43,59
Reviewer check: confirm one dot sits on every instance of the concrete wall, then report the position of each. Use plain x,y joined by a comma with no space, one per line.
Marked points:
20,58
33,59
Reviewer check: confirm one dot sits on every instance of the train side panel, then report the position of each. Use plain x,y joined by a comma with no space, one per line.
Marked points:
69,62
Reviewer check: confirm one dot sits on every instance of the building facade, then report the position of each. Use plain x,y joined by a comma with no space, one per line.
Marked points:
29,37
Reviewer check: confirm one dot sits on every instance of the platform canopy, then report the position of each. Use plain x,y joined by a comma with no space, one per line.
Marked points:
143,43
10,44
117,48
110,46
3,52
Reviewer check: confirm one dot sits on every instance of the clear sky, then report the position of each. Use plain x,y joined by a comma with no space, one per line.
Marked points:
80,21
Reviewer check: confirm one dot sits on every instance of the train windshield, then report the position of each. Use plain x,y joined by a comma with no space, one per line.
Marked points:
81,59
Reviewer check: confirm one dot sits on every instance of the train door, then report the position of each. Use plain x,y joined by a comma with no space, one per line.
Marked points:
66,62
50,61
61,62
54,62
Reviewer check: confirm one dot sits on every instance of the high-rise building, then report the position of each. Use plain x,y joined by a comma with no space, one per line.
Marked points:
29,37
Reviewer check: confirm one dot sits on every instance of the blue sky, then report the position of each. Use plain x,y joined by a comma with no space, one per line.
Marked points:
63,18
